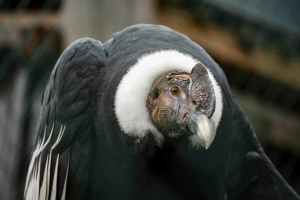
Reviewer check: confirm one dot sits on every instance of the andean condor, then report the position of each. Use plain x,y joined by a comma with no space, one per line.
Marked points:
146,115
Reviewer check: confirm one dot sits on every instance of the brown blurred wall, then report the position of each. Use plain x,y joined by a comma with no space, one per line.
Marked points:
99,19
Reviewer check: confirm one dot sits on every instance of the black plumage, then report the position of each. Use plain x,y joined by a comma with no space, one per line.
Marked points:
102,161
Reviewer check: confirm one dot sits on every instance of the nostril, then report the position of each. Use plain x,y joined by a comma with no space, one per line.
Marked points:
185,117
194,103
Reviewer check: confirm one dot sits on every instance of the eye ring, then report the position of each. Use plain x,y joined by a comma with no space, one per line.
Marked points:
174,90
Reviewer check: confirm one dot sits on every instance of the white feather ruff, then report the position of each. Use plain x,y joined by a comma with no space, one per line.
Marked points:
132,92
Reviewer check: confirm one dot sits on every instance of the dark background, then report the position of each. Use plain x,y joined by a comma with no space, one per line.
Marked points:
256,43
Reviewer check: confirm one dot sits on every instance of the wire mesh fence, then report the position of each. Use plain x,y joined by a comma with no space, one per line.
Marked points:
31,40
30,46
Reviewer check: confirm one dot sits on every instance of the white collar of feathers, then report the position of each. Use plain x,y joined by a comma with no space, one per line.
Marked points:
132,92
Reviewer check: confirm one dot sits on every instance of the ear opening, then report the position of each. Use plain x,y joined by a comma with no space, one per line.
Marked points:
156,94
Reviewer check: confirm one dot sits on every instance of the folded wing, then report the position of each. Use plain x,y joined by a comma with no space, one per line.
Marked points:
63,148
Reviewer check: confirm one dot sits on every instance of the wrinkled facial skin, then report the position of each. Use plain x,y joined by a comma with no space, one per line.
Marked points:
169,111
181,103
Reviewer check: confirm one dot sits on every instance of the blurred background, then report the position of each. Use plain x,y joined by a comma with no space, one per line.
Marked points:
256,42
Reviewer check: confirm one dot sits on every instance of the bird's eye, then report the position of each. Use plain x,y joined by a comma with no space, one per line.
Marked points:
174,90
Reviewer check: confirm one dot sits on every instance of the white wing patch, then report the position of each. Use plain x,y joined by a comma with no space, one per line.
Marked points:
53,193
32,190
43,192
63,196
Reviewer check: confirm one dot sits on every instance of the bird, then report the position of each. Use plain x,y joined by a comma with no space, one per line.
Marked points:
146,115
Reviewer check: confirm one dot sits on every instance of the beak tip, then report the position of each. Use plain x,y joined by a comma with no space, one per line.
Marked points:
207,145
205,129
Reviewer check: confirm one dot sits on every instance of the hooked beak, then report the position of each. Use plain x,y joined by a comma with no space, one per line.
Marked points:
204,127
202,105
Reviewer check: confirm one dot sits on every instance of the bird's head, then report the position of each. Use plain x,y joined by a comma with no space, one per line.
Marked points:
170,95
182,104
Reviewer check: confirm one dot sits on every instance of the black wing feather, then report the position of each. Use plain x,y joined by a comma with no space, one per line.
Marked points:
67,108
251,174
